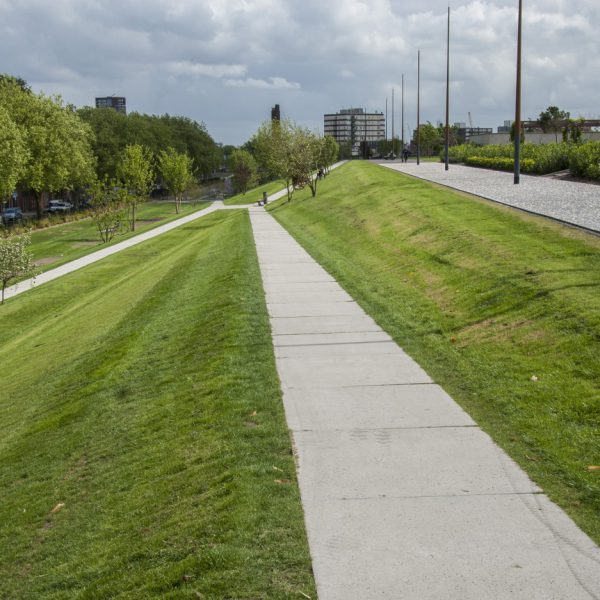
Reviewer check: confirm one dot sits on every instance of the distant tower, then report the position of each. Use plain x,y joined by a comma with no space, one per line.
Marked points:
275,113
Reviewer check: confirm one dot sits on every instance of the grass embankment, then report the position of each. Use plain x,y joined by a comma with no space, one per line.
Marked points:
255,194
484,298
59,244
143,447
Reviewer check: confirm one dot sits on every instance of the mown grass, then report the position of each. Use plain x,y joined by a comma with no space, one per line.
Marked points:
62,243
485,299
255,194
143,447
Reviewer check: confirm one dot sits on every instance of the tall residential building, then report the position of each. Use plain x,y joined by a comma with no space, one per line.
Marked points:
116,102
354,125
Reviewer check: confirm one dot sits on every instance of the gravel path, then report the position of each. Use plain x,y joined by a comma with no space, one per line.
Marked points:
568,201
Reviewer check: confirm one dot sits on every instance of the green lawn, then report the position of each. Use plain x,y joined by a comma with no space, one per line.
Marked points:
57,245
255,194
485,299
143,447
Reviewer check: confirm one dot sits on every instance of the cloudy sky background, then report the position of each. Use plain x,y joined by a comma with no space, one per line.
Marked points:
226,62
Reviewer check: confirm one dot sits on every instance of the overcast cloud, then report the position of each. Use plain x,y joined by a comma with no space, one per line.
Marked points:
226,62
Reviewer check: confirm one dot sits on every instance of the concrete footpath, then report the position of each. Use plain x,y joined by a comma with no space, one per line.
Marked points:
93,257
404,496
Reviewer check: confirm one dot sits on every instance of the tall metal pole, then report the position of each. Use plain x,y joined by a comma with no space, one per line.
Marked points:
518,101
448,93
418,106
386,121
393,123
402,149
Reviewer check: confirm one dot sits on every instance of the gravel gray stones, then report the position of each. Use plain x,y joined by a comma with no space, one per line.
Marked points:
569,201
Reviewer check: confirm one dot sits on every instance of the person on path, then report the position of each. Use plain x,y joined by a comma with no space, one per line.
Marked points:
405,154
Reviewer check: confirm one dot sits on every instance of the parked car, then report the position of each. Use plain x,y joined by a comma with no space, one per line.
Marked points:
12,215
59,206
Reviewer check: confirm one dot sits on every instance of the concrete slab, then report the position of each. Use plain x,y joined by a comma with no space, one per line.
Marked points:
398,406
314,309
297,277
329,324
339,350
405,463
309,297
299,339
309,372
503,547
304,286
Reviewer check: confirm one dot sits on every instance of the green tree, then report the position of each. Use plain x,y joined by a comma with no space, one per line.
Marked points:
13,154
244,168
331,152
107,208
136,173
552,120
431,140
15,259
177,173
58,142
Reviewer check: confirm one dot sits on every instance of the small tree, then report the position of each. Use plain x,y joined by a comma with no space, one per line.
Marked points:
136,173
107,209
15,259
552,120
331,152
177,173
244,168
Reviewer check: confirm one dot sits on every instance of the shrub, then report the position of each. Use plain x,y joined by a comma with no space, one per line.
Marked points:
584,160
501,163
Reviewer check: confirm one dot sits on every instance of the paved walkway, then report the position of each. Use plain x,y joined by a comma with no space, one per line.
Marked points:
404,496
568,201
75,265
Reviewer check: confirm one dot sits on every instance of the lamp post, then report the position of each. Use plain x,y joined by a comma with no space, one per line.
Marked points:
517,178
402,112
447,93
418,107
393,133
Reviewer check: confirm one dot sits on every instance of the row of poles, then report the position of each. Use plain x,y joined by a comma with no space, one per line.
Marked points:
517,128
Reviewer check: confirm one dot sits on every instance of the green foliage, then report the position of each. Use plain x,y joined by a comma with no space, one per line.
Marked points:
584,160
552,119
114,131
15,259
500,163
176,170
107,210
547,158
431,139
13,154
244,168
331,152
58,142
136,173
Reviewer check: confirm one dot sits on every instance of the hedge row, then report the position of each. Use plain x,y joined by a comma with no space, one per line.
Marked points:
501,163
583,160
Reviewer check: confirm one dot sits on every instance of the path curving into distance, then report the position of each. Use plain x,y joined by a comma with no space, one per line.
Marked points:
571,202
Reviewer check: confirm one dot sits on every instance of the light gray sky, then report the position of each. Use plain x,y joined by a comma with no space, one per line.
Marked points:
226,62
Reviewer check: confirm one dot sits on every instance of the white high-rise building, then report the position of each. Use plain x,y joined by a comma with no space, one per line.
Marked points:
354,125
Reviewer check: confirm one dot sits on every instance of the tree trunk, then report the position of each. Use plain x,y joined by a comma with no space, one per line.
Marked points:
133,216
3,286
177,203
39,198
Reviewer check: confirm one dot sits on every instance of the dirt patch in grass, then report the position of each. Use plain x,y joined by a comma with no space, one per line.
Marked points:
85,244
40,262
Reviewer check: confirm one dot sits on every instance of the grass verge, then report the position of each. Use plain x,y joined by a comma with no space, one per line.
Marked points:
500,308
255,194
143,447
63,243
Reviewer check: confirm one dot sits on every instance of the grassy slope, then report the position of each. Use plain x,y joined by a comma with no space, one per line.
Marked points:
483,298
147,401
255,194
74,240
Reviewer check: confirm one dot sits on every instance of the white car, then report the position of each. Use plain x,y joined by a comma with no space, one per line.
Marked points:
59,206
